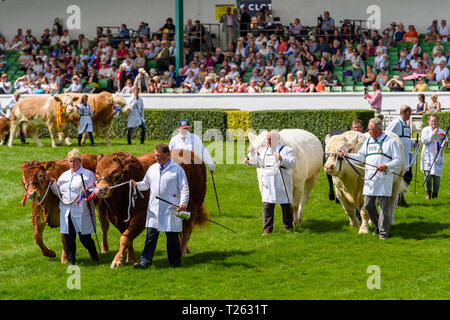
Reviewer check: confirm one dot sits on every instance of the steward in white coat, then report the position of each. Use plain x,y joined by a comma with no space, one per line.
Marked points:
8,109
75,217
277,162
136,116
432,139
188,141
383,152
167,180
85,123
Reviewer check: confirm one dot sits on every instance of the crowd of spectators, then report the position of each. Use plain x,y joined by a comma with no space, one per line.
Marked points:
262,60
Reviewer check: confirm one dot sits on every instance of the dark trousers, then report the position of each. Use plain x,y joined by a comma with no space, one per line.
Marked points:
173,247
21,137
268,215
408,176
382,220
85,239
91,137
432,184
130,133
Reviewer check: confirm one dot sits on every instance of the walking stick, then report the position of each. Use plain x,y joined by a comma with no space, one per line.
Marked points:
215,191
91,214
437,154
415,173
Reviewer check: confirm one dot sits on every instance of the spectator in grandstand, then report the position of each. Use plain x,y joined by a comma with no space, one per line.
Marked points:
433,35
337,59
128,88
411,34
421,85
143,30
310,86
168,27
422,106
446,84
320,87
435,105
45,38
415,62
402,61
282,88
327,23
387,39
439,57
206,88
280,68
444,31
76,86
295,28
299,86
369,78
382,77
5,85
400,33
53,86
163,56
389,33
324,66
358,67
434,23
38,89
441,71
22,86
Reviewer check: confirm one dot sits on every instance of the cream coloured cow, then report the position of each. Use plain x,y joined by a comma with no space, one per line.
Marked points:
309,155
348,183
41,111
103,104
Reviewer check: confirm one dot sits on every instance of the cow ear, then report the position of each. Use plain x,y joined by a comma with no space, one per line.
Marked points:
251,137
57,99
23,165
99,157
48,164
75,99
327,138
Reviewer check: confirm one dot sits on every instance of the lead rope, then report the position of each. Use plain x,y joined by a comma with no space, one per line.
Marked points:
132,194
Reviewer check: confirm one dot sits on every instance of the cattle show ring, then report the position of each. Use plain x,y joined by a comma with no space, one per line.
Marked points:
144,185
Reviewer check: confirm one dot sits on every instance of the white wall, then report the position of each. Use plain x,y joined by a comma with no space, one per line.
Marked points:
38,14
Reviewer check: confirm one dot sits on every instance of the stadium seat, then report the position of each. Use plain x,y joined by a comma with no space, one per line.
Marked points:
349,83
432,83
169,90
358,88
178,90
150,64
347,89
267,89
385,89
327,88
408,83
409,88
102,83
336,89
433,88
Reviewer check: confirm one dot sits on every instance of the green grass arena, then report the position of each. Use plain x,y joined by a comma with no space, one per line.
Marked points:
324,259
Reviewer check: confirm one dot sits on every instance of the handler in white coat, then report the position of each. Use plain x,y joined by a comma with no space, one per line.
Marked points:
167,180
188,141
85,123
401,128
277,162
432,137
75,216
380,153
136,115
8,109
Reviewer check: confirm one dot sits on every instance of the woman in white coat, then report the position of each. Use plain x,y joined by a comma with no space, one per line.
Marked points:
432,139
85,123
167,180
75,216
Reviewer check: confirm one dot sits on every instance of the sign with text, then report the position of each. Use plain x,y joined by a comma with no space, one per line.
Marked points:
255,6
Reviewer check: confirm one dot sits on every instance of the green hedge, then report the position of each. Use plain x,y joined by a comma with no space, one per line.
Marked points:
318,122
444,119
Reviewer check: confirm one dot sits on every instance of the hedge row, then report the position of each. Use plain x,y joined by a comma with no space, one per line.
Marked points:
161,124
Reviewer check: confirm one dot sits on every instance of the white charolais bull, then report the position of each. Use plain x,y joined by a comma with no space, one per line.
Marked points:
308,153
36,112
348,183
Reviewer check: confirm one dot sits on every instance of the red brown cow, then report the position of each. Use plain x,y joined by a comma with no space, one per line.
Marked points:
45,205
5,125
121,167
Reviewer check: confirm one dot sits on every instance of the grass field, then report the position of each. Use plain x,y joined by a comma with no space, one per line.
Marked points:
324,259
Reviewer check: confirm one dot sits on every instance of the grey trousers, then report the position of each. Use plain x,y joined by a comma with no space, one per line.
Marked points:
268,214
434,181
382,220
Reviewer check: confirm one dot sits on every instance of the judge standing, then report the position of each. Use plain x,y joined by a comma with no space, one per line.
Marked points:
433,139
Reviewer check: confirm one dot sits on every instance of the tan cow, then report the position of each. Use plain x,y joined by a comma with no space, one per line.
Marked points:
36,112
103,105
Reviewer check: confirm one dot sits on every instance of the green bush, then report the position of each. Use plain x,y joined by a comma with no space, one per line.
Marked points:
318,122
444,119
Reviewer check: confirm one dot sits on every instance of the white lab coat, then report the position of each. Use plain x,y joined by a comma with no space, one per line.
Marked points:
274,190
85,123
9,106
70,186
136,115
172,186
371,153
429,151
401,128
193,143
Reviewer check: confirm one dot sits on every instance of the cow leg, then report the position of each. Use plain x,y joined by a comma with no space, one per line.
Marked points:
349,210
296,205
12,134
38,230
107,141
35,135
184,238
331,195
306,192
364,229
131,255
63,251
125,242
84,138
53,133
104,224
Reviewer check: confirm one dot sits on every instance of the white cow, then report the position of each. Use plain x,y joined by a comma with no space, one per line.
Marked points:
308,153
348,184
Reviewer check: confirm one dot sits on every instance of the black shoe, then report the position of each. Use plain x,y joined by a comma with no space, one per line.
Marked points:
383,236
142,142
93,145
434,195
71,263
139,265
175,265
375,232
24,142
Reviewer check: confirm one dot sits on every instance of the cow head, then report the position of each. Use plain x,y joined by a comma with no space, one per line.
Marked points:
349,141
110,172
35,179
67,103
120,102
257,145
5,125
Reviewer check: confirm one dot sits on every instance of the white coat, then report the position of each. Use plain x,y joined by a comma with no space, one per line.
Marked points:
401,128
429,151
273,190
170,185
136,115
85,123
9,106
193,143
70,186
383,151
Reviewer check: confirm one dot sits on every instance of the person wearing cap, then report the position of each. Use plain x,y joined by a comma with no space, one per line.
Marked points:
85,123
75,216
136,115
189,141
5,85
76,86
141,80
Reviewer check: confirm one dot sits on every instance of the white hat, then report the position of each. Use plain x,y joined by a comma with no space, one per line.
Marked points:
141,70
152,70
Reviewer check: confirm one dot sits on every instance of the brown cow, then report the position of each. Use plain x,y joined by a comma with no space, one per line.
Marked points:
36,112
103,106
36,176
5,125
121,167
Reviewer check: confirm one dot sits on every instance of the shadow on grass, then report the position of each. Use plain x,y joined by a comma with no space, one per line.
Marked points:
420,230
322,226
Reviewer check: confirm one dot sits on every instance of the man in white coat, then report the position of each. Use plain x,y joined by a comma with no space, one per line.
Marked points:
136,115
8,108
167,180
188,141
277,162
75,216
433,139
85,123
381,155
401,128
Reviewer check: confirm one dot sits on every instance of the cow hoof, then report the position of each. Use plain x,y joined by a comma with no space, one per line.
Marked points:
50,253
115,264
363,231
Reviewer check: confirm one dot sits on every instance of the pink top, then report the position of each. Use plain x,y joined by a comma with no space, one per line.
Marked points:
375,99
